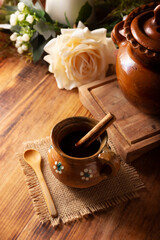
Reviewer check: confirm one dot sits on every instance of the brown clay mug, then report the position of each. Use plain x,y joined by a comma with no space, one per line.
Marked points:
84,167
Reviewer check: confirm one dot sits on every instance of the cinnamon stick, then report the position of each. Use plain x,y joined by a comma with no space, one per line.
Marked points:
96,131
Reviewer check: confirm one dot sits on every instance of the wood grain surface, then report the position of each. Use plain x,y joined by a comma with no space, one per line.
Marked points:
30,104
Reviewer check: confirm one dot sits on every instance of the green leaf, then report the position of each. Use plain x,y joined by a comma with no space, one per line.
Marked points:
34,37
40,13
38,5
67,21
37,45
16,28
84,13
48,18
45,29
9,8
57,27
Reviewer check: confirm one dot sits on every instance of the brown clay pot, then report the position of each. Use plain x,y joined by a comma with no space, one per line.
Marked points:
81,172
138,59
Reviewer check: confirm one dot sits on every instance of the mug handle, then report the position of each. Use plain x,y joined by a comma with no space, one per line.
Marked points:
116,36
110,163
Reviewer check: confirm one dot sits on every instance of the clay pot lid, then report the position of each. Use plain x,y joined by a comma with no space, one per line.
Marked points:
142,28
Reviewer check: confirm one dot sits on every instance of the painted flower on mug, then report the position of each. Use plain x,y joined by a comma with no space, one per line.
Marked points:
58,167
79,56
86,174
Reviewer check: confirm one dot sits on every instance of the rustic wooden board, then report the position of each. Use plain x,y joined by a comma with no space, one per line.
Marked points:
133,132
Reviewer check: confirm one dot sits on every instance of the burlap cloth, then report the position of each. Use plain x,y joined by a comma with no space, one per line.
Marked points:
71,203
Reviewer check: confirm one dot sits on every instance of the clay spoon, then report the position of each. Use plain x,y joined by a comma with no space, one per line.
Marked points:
96,131
33,158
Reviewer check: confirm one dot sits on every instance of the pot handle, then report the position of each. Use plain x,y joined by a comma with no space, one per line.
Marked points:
116,36
157,15
110,163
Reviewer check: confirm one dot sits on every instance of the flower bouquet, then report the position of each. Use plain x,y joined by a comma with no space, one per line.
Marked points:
79,48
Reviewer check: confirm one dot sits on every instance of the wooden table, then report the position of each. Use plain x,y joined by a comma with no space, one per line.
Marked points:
30,104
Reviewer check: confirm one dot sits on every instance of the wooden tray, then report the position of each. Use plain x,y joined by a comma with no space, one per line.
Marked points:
133,132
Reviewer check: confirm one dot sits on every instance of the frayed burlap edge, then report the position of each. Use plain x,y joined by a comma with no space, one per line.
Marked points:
39,203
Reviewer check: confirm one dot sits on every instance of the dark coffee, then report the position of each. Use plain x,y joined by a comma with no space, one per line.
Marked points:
67,145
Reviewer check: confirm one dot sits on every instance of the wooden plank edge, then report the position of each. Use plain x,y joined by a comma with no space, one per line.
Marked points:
138,149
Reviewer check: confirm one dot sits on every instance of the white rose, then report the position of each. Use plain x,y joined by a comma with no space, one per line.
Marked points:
79,56
24,47
13,37
21,17
17,13
25,37
20,50
21,6
13,19
30,19
19,39
18,44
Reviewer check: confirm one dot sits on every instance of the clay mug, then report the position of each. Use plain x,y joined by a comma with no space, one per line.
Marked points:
83,168
138,58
